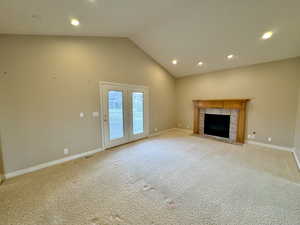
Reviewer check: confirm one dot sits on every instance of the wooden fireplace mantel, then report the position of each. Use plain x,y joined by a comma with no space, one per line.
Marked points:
239,104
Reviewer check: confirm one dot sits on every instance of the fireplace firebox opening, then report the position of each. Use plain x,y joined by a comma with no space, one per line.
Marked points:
217,125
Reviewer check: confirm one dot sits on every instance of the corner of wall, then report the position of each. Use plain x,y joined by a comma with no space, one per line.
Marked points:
297,130
1,163
151,58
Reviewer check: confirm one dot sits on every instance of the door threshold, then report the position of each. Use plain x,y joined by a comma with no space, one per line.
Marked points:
130,142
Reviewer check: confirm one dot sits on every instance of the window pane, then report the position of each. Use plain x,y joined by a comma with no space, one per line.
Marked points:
115,112
138,112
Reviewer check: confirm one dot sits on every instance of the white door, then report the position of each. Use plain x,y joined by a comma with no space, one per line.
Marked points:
124,113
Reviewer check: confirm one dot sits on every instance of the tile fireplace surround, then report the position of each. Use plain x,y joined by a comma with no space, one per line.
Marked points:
233,122
236,108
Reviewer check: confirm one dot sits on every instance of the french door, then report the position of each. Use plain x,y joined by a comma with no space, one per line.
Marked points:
124,113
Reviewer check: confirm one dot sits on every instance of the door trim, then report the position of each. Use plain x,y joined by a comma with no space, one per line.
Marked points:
133,86
145,89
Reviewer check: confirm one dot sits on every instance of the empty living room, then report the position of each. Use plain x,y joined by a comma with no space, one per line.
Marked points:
149,112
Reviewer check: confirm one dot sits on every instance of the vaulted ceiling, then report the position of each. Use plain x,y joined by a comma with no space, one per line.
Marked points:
189,31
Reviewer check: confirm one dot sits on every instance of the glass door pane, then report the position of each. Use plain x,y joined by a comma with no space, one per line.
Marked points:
115,113
137,112
124,113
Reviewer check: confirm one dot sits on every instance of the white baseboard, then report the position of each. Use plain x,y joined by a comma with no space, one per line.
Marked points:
189,131
161,132
73,157
277,147
66,159
296,158
51,163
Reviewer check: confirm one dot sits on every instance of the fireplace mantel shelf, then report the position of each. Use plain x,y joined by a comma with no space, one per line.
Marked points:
239,104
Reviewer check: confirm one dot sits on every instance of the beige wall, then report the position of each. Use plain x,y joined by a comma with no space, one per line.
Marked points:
50,80
297,133
272,87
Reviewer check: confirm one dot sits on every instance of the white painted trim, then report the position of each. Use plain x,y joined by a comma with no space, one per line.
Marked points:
297,159
277,147
127,90
161,132
130,86
63,160
189,131
101,113
51,163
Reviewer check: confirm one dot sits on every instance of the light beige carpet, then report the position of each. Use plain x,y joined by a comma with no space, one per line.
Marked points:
172,179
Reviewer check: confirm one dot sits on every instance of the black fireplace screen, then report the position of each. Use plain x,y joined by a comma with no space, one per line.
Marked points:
217,125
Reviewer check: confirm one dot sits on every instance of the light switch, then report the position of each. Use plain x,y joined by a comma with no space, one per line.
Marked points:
81,115
95,114
66,151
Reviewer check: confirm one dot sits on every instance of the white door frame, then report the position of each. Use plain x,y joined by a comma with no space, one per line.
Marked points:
130,88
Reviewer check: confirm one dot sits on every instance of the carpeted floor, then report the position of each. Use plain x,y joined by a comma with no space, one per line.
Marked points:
172,179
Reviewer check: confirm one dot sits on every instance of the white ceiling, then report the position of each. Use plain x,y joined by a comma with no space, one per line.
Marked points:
187,30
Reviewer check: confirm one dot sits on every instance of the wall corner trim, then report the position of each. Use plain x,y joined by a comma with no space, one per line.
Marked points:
51,163
277,147
296,158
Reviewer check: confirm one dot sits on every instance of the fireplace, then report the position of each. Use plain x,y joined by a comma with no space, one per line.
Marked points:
221,118
217,125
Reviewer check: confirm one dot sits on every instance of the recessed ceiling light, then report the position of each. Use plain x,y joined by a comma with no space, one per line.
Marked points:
200,63
230,56
75,22
174,61
267,35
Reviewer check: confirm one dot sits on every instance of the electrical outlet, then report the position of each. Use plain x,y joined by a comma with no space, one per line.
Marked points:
251,136
66,151
155,129
81,115
269,139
